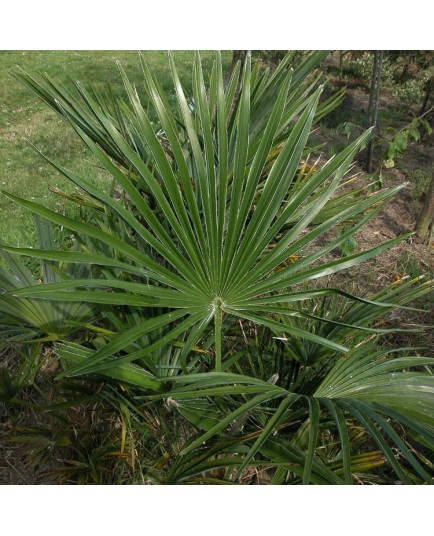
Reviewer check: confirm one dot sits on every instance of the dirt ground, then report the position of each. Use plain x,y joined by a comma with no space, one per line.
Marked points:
411,257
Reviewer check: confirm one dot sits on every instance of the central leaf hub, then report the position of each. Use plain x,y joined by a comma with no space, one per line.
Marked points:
218,303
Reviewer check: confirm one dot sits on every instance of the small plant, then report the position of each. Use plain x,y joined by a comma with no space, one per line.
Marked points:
421,181
360,65
78,438
412,267
393,143
397,145
25,319
409,93
19,371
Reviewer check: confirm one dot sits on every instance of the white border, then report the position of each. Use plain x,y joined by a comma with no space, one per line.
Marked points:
216,510
220,24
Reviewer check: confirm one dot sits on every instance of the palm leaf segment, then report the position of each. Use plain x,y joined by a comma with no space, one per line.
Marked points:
215,228
23,318
370,390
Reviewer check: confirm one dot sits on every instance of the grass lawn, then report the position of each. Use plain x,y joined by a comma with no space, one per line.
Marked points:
24,119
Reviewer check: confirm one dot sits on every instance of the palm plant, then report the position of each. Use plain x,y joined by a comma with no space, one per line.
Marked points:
77,104
24,318
213,229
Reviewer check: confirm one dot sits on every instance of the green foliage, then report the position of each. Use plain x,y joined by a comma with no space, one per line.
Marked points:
15,378
361,67
395,71
421,181
80,437
411,266
200,263
350,245
24,318
25,117
398,144
274,57
393,143
409,93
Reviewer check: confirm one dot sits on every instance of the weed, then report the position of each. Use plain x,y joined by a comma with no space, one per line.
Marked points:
409,93
421,181
411,266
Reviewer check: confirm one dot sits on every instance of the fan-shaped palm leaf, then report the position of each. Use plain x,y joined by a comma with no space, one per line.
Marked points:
208,250
214,228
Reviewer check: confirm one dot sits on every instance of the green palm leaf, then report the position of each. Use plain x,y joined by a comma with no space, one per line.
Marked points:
212,215
214,225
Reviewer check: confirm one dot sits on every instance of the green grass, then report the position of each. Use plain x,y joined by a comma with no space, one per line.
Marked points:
412,267
391,116
24,119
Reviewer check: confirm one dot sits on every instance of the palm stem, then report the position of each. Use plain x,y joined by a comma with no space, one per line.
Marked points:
218,336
